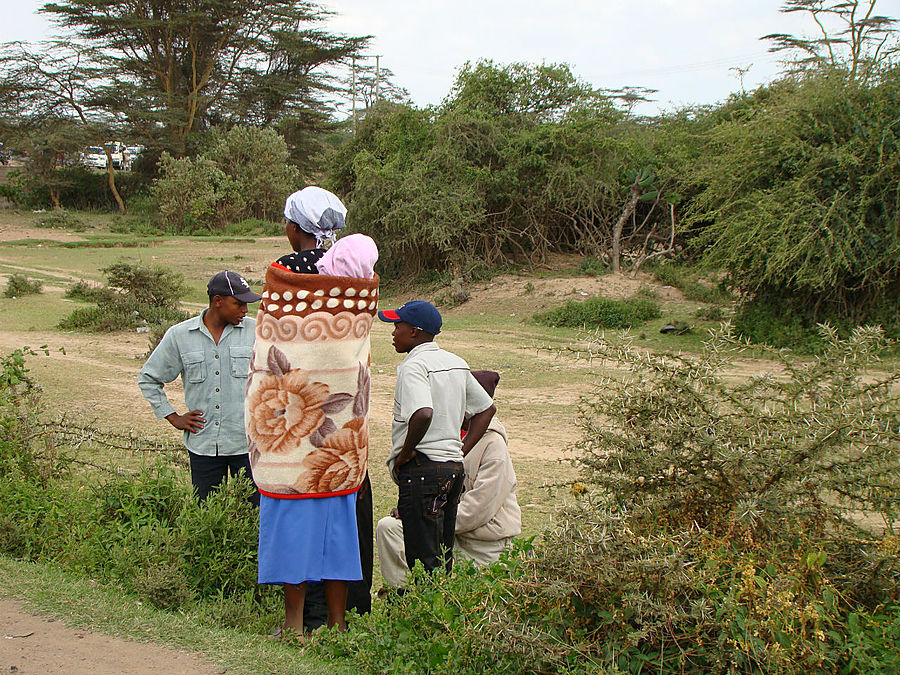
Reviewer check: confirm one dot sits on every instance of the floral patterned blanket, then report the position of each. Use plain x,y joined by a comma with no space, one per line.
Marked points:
307,402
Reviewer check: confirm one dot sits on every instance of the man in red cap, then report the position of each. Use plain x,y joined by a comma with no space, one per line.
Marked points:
212,353
435,392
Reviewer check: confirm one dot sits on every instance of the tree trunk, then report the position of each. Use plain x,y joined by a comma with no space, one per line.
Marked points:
111,176
615,252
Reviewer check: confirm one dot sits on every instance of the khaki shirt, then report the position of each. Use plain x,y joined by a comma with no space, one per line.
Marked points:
430,377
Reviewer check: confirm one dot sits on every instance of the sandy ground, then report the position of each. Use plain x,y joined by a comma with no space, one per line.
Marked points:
31,644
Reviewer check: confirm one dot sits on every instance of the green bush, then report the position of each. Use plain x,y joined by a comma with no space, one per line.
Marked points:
715,527
718,521
687,280
143,530
135,296
141,225
599,312
592,267
790,321
242,173
254,227
218,551
18,285
463,623
798,196
86,291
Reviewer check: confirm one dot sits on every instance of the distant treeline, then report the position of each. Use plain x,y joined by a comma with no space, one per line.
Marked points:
789,194
791,191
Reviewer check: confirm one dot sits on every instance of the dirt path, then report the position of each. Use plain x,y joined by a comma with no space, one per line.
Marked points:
30,644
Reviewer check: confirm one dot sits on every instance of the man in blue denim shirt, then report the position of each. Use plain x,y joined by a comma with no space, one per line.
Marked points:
212,353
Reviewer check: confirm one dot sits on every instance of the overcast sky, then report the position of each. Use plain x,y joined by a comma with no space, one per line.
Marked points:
686,49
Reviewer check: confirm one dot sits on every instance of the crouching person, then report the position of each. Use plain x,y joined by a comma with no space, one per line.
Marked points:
488,516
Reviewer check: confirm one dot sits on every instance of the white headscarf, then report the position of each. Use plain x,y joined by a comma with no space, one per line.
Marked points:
316,211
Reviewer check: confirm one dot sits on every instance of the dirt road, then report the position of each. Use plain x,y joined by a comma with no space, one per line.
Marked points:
32,644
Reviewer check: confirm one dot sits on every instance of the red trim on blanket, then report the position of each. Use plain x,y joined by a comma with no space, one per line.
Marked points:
339,493
280,266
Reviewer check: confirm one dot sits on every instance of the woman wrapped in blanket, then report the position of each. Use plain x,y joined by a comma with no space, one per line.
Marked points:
309,542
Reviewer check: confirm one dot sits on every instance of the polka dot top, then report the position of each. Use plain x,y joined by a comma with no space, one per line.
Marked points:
303,262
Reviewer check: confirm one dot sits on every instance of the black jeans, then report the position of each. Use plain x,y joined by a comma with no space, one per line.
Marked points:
209,471
429,496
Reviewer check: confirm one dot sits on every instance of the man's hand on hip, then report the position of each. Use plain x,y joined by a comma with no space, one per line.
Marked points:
192,421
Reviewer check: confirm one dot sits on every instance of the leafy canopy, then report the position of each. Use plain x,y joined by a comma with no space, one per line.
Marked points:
173,68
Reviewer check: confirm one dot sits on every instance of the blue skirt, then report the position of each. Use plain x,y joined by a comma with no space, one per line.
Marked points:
308,540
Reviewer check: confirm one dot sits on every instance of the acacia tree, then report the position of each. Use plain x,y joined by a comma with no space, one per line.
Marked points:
173,67
48,141
41,90
851,35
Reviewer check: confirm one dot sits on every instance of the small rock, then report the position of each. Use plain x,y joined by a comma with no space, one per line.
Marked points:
142,329
678,328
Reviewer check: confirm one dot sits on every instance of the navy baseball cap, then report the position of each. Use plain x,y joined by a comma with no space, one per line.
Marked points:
418,313
227,283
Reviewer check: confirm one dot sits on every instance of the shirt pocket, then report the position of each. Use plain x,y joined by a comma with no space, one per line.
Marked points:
240,361
194,365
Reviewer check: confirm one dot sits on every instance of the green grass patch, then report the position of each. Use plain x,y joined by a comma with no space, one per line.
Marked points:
592,267
83,603
599,312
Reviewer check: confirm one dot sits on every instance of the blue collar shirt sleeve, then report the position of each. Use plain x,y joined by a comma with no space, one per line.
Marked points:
214,378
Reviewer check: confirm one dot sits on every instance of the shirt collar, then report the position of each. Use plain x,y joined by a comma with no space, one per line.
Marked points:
196,323
424,347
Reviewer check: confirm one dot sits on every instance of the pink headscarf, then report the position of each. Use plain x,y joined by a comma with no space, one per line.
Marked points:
352,256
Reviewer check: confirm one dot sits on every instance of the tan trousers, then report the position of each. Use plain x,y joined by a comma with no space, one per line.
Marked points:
392,556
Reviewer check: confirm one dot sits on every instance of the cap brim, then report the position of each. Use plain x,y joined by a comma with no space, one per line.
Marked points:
389,315
248,297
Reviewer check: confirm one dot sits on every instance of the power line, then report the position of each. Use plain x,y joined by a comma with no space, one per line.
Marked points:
696,66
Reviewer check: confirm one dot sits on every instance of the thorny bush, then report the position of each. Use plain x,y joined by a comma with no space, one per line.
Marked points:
734,524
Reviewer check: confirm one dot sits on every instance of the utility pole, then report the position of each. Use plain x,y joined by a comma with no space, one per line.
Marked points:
377,74
353,91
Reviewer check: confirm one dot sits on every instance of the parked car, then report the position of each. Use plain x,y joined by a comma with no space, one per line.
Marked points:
94,157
